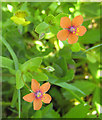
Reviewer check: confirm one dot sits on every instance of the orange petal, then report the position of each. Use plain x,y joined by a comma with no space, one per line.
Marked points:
29,97
46,98
37,104
81,30
45,87
65,22
72,38
62,35
35,85
78,20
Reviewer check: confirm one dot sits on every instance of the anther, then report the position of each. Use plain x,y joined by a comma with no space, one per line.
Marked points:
76,33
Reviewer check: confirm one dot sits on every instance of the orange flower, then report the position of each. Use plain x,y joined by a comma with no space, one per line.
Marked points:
38,95
71,29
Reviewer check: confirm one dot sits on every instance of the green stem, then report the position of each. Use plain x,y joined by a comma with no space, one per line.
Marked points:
25,83
93,47
93,18
88,50
16,67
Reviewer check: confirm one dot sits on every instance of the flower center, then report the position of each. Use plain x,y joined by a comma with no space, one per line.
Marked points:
38,94
72,29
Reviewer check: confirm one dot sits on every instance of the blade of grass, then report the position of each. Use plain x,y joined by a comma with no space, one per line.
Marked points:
14,57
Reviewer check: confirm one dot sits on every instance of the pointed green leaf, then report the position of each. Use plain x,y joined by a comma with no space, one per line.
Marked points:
31,65
79,111
42,28
50,19
39,76
14,99
6,63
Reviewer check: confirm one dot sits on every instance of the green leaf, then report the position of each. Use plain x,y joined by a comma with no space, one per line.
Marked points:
69,76
48,112
14,99
91,58
91,36
51,113
50,19
86,86
93,67
75,47
39,76
62,63
6,63
47,109
31,65
69,87
54,29
37,114
42,28
65,52
19,81
58,70
79,111
27,77
97,95
59,16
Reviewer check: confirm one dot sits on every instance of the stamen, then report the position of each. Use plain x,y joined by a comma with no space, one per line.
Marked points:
72,29
38,94
76,33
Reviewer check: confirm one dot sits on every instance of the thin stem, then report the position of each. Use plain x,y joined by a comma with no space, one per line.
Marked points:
90,49
93,18
16,67
25,83
93,47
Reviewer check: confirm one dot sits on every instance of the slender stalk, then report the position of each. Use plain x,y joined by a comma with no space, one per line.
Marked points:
25,83
88,50
93,47
93,18
16,67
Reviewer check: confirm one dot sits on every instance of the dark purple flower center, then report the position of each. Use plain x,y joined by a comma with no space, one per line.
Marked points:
72,29
38,94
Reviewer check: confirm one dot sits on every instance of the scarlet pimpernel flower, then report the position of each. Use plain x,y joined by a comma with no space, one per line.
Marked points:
38,95
71,30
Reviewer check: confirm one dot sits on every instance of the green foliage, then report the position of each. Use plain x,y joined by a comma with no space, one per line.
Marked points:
19,81
31,50
75,47
31,65
6,63
42,28
79,111
50,19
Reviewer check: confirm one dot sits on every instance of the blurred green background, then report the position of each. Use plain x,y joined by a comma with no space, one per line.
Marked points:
61,62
